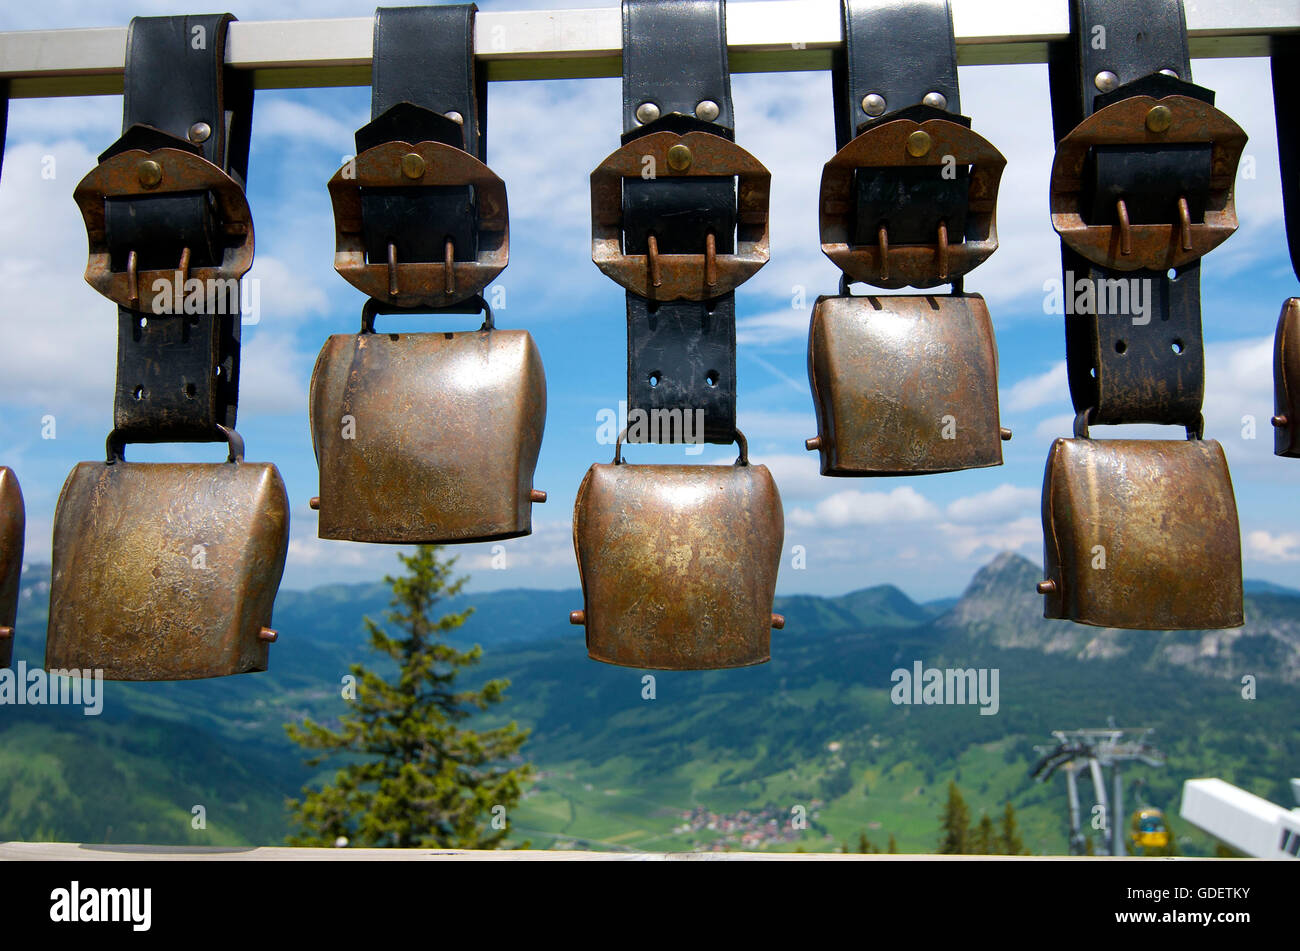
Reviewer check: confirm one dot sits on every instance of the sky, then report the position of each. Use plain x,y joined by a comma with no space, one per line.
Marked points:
925,534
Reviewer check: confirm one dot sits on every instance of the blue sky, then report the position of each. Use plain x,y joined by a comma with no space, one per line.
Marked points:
925,534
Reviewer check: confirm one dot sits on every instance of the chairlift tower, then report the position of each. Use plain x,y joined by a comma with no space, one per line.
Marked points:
1097,750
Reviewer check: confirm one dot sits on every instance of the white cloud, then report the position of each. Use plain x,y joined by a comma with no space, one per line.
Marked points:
1266,546
853,508
1000,504
1035,391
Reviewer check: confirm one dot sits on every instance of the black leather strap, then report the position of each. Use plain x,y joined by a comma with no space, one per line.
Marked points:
1135,367
681,355
675,57
668,381
178,376
1286,90
423,78
425,56
901,51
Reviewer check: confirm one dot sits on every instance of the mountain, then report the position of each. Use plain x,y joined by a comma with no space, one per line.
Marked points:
714,759
1001,607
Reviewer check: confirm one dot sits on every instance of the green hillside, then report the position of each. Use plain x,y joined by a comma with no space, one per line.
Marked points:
735,750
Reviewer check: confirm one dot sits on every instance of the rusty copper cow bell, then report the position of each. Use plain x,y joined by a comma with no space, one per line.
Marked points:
167,571
678,563
427,437
12,525
904,385
1141,534
1286,381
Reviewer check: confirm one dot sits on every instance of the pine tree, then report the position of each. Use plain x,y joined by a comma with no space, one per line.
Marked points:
414,777
864,844
892,848
1009,838
983,840
954,824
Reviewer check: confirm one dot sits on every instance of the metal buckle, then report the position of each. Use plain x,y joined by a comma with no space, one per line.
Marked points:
136,173
419,283
904,143
1286,381
665,583
12,525
904,385
1146,121
663,277
1141,534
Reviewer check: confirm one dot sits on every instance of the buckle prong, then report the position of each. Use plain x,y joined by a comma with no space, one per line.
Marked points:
943,250
185,264
132,272
710,259
882,238
392,269
652,255
1185,223
448,262
1125,229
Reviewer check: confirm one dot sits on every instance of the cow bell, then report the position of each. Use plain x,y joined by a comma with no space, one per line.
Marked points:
1286,381
428,437
1141,534
678,563
12,525
904,385
167,571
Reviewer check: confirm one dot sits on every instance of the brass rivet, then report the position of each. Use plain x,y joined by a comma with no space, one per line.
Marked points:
1004,433
314,504
577,617
200,132
150,173
814,443
537,495
918,144
1047,587
680,158
412,165
1159,119
268,635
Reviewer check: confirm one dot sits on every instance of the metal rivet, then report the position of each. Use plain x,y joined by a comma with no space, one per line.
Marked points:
1279,421
873,104
647,112
1159,119
1047,587
413,165
707,110
1105,80
455,117
1170,72
918,144
680,158
150,173
314,503
577,617
537,495
199,132
813,444
1004,433
268,635
935,100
